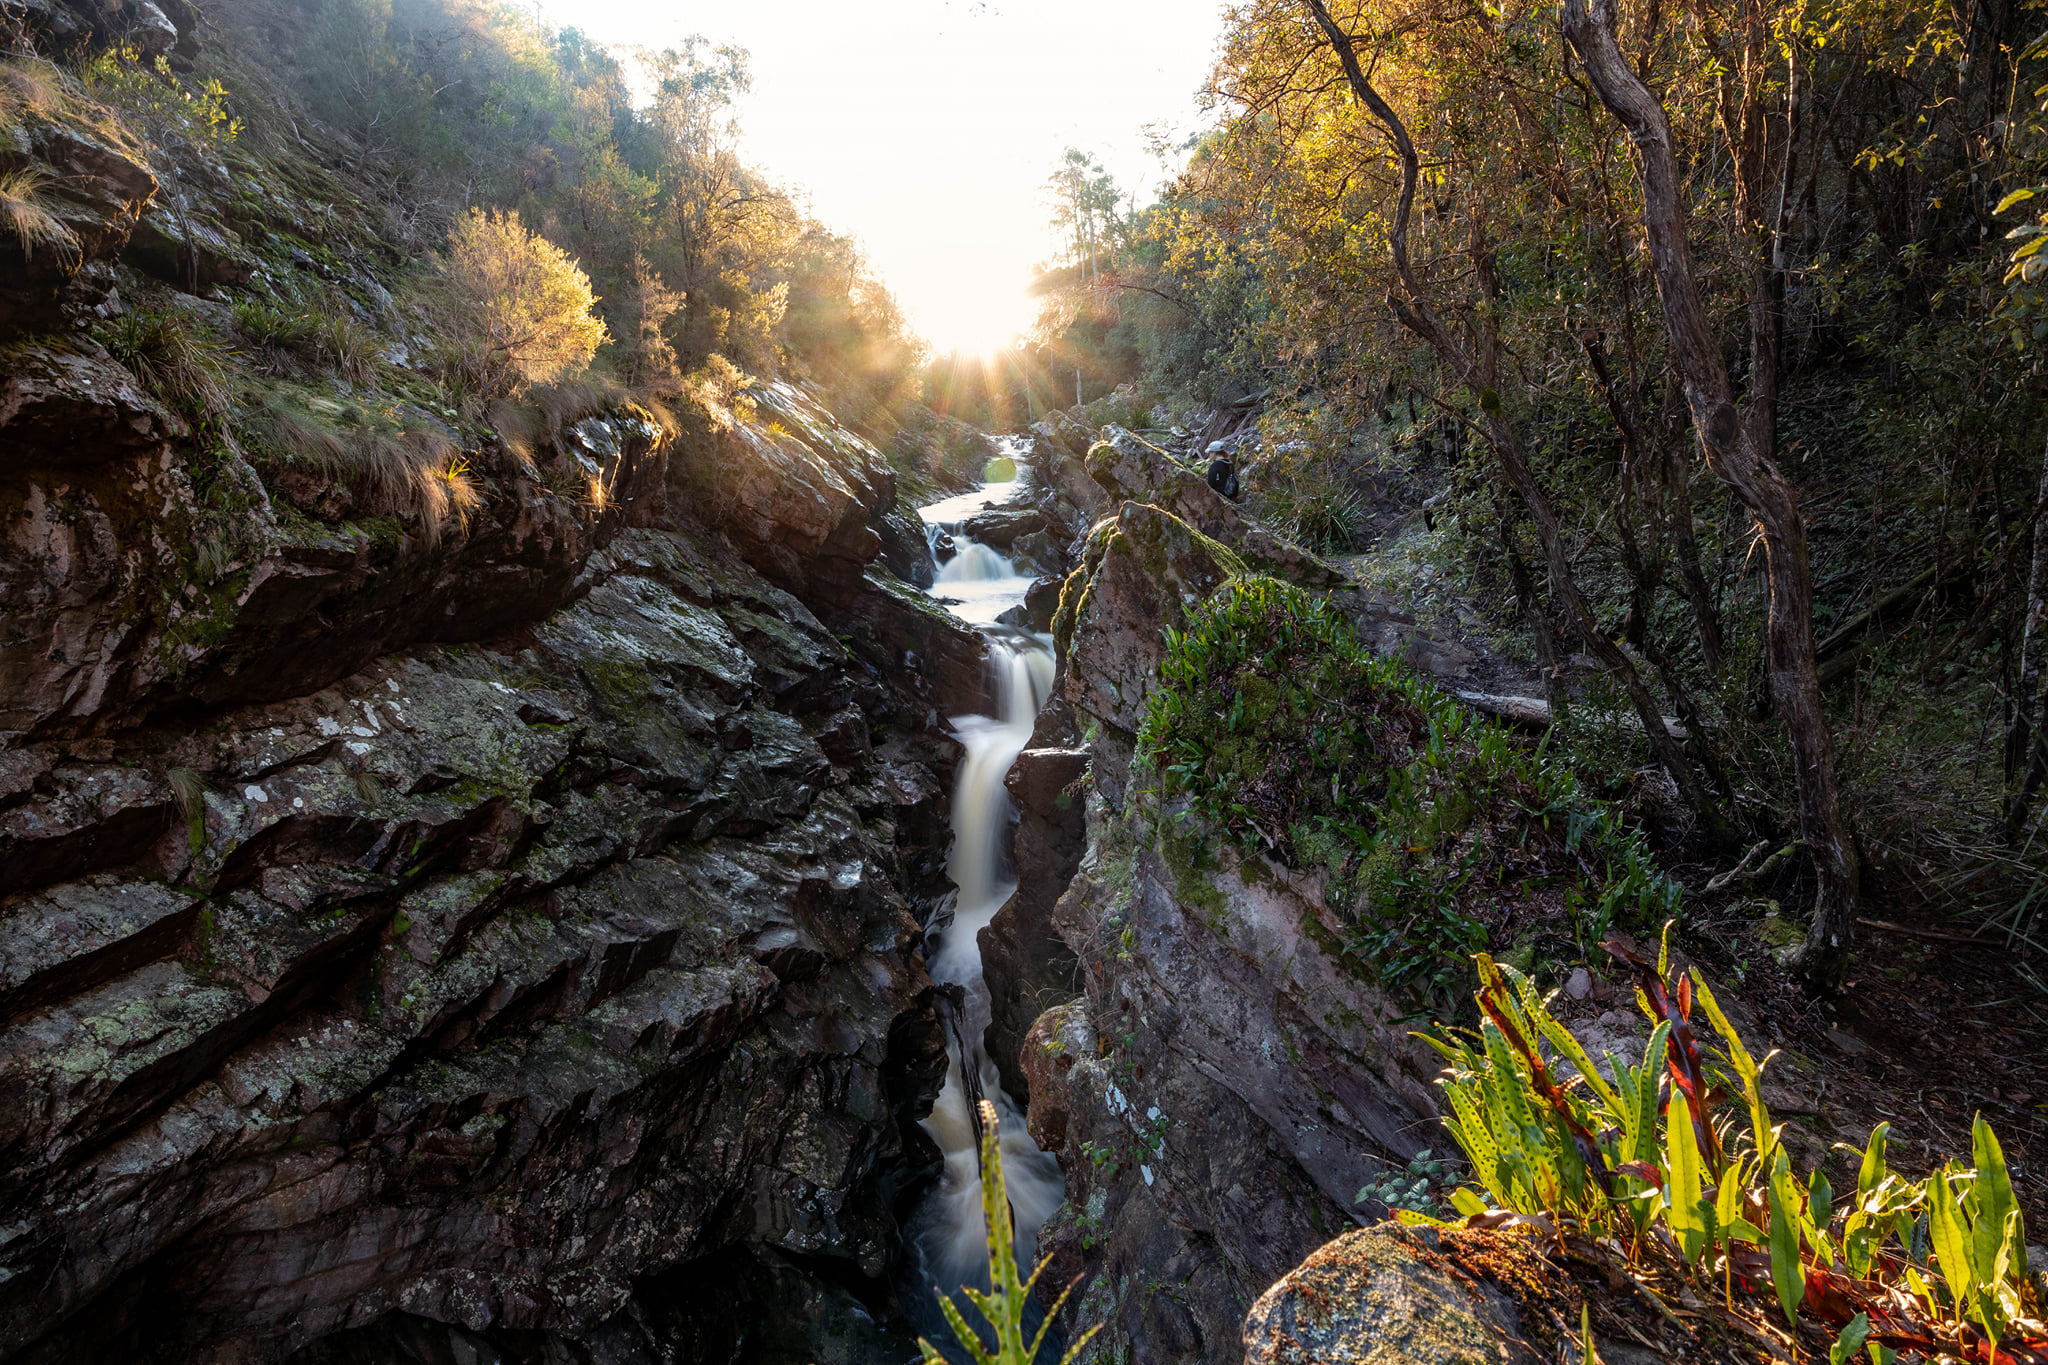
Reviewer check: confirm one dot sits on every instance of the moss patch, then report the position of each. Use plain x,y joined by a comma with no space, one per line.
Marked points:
1439,830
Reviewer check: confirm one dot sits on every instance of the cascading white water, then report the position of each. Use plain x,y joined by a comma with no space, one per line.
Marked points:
978,583
950,1234
975,564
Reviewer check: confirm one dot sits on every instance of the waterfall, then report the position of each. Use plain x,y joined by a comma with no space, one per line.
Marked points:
975,563
948,1228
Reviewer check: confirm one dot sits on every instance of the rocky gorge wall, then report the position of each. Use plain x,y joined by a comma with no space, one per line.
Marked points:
477,983
429,938
1224,1083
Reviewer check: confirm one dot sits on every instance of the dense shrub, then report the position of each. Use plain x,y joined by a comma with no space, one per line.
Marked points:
530,309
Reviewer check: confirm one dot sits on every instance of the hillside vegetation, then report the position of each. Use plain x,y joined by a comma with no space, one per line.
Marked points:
1744,429
384,236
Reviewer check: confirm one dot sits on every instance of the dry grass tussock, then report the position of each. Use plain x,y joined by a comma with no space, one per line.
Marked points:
29,85
409,467
25,211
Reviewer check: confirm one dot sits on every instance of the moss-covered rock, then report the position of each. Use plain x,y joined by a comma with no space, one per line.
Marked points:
1142,573
1130,468
1432,827
1382,1296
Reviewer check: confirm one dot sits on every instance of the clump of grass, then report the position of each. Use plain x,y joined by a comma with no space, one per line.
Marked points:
25,210
1318,511
188,795
1272,722
29,85
320,337
174,361
406,463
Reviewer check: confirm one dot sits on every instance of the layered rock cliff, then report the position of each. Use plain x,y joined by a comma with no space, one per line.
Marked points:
485,925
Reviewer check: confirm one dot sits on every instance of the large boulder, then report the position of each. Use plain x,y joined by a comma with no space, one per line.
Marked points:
1072,499
794,490
1384,1296
1231,1075
1130,468
1141,573
1000,526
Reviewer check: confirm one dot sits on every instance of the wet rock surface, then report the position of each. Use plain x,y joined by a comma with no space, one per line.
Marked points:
476,985
1026,963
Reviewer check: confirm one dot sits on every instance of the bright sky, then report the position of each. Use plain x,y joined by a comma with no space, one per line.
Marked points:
927,128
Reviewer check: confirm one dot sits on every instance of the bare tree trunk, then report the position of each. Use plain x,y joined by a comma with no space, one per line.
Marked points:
1754,476
1706,613
2026,747
1415,314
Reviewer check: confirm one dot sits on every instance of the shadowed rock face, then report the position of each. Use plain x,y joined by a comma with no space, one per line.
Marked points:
476,985
1025,962
112,613
1231,1076
484,936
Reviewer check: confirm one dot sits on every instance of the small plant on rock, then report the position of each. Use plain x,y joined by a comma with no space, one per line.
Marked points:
174,361
1412,1188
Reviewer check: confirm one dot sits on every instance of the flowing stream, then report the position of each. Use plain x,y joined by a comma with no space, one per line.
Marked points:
978,584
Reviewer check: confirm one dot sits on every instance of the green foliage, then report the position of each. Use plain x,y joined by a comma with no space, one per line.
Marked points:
1297,474
323,336
1006,1302
1412,1188
1589,1156
163,102
1273,723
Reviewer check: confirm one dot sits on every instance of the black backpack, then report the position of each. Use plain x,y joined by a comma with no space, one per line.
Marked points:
1223,477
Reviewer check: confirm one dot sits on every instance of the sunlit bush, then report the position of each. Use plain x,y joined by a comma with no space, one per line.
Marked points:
523,312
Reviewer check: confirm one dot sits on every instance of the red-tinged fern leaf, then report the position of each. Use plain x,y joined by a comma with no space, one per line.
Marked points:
1682,1052
1494,1000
